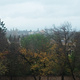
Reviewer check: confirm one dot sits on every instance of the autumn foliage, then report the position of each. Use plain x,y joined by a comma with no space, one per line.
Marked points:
54,53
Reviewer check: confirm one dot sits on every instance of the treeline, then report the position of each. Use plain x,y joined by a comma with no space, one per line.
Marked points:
55,52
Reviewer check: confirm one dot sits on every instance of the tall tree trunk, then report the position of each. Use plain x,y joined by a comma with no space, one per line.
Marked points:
73,75
62,76
11,78
71,69
39,77
34,77
47,77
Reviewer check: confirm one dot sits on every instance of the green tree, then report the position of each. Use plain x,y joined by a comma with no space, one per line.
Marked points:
3,48
35,42
36,48
15,63
3,67
3,39
63,36
76,54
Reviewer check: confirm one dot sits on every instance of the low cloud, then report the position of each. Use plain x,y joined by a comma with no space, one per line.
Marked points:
38,14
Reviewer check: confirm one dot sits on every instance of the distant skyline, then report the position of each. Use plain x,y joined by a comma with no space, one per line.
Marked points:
39,14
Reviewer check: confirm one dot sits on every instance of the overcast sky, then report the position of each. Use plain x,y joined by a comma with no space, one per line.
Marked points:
34,14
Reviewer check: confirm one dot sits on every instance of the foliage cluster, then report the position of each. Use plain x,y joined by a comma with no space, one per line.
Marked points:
56,52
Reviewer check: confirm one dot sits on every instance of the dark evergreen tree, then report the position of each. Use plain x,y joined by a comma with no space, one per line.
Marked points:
3,39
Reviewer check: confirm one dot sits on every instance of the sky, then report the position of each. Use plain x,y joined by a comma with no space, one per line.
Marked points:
39,14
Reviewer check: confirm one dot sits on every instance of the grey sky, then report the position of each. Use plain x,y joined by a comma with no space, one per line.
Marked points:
34,14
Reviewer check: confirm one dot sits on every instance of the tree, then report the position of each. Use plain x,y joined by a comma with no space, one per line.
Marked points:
3,39
3,48
3,67
15,63
35,52
76,54
41,64
35,42
63,38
